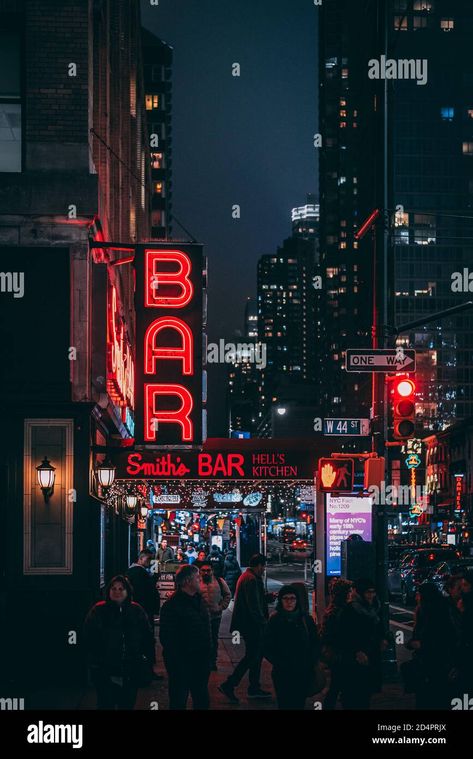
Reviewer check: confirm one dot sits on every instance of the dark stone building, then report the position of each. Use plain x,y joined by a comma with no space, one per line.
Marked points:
74,166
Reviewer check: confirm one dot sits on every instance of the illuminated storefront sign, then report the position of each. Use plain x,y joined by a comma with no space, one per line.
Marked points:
188,465
169,315
120,366
458,491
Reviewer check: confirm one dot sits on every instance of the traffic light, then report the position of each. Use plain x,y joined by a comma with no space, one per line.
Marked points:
404,408
336,475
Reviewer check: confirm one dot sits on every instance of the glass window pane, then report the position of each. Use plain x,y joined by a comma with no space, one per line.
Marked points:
10,137
9,64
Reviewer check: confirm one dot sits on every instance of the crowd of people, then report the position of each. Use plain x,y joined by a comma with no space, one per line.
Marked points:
339,658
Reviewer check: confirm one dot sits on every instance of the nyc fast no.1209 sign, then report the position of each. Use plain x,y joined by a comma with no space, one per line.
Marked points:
169,325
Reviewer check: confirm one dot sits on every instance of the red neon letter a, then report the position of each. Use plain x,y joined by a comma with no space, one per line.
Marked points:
154,352
153,417
158,282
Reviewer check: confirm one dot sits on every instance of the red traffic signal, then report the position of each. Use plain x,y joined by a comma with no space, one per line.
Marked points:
336,475
404,408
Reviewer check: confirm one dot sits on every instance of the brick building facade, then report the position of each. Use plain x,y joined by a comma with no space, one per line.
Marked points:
74,165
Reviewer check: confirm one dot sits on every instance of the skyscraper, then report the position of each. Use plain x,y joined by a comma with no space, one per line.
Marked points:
430,149
157,57
286,323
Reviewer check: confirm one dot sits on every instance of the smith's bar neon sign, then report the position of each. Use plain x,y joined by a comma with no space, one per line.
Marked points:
169,284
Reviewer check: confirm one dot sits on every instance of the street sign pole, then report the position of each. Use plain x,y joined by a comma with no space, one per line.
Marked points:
320,554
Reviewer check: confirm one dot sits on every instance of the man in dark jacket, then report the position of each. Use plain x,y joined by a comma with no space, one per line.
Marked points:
215,558
187,643
146,595
165,553
250,617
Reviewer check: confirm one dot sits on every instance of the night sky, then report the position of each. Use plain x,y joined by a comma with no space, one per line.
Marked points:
244,140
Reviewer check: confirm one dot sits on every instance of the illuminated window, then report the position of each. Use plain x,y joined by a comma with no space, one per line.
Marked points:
400,23
344,73
343,113
343,245
343,102
420,22
470,113
151,102
447,24
423,5
467,148
343,124
447,113
158,188
157,160
401,219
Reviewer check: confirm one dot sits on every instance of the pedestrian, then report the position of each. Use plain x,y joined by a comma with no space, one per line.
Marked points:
362,643
165,553
200,559
187,642
433,643
292,646
181,557
217,596
331,637
151,547
216,560
146,594
464,654
116,634
250,617
231,571
191,553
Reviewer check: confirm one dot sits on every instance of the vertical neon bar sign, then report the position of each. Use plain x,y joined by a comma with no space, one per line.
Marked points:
169,339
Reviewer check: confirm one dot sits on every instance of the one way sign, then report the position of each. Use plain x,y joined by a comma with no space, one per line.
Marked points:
391,360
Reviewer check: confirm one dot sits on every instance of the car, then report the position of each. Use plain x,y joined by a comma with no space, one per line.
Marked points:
414,568
440,574
299,545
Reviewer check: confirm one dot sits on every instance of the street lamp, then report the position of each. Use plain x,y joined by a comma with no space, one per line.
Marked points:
105,472
131,501
46,474
144,512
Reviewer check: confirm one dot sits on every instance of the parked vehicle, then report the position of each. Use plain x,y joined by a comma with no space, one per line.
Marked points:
413,569
299,545
440,574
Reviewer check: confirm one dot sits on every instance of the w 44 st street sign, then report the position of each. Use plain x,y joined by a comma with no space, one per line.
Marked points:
380,360
354,427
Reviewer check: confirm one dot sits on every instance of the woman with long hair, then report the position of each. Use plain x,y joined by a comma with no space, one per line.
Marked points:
117,636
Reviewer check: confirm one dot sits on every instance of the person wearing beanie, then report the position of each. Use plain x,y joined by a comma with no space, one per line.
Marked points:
292,646
361,644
